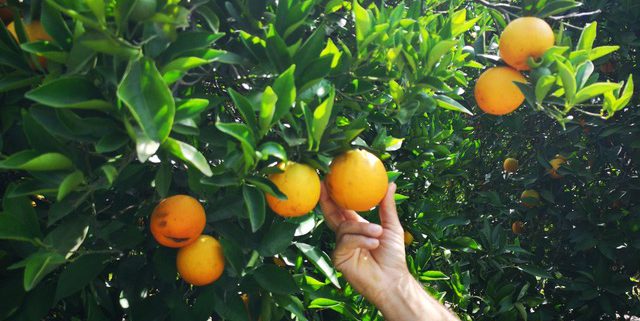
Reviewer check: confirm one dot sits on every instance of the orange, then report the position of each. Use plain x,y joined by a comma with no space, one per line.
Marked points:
555,165
357,180
530,198
408,238
510,165
301,184
177,221
279,262
201,262
523,38
517,227
35,32
495,92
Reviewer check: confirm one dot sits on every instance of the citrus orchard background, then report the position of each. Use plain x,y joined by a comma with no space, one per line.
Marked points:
109,107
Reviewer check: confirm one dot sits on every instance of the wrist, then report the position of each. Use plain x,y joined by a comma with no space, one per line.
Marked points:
399,296
407,300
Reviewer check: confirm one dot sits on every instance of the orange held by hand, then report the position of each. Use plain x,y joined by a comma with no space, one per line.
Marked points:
201,262
523,38
357,180
301,184
177,221
495,92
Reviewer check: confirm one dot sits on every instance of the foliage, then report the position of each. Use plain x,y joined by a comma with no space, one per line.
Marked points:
203,97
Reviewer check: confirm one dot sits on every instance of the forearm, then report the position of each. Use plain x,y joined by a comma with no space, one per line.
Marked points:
407,300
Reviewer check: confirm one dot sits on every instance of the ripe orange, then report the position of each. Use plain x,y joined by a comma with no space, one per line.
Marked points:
517,227
530,198
523,38
35,32
177,221
555,165
301,184
357,180
408,238
510,165
495,92
201,262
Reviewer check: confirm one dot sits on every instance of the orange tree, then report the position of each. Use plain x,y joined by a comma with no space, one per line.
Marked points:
131,101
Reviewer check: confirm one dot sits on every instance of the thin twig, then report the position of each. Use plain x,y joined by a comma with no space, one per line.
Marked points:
576,15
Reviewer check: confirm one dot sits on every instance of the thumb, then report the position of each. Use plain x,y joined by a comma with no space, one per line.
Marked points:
388,212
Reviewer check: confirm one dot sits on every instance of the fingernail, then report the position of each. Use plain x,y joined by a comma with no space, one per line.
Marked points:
375,228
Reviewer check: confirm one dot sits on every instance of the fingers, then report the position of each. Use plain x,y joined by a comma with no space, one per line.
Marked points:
334,214
388,213
351,242
358,228
330,209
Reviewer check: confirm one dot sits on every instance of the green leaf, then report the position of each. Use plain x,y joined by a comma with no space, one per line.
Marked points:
321,116
266,186
246,109
255,203
320,260
285,88
433,276
69,235
242,133
38,265
626,95
535,271
396,91
11,229
79,274
439,50
583,73
189,154
450,104
568,82
163,179
274,279
543,86
556,7
278,238
148,98
73,92
221,180
464,243
602,51
363,21
267,110
588,36
69,184
31,160
111,142
189,108
272,149
594,90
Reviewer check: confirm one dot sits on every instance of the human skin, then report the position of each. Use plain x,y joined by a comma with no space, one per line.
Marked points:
372,259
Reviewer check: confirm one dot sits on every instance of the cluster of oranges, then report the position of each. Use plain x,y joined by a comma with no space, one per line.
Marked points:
531,198
178,221
496,92
347,173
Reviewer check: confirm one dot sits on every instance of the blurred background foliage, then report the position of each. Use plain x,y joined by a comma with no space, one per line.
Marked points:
128,101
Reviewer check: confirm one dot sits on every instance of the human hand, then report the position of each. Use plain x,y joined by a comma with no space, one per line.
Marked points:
372,259
370,256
